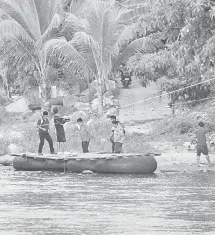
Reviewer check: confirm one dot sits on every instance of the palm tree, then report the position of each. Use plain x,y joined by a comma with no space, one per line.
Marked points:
25,25
99,30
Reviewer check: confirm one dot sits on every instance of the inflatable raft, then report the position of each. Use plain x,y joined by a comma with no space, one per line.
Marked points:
95,162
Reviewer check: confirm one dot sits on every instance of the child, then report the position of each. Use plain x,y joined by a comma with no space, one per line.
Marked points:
43,127
118,137
201,143
84,134
59,122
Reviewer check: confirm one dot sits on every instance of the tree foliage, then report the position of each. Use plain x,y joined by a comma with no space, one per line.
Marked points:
186,27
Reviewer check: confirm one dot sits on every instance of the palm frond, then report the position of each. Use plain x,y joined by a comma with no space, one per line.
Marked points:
132,14
4,15
127,34
18,11
78,7
24,53
134,3
63,50
74,24
46,10
89,48
55,23
12,28
141,45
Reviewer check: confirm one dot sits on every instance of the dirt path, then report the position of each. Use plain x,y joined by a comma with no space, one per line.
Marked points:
152,109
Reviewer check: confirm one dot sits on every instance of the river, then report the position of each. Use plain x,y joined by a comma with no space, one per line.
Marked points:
79,204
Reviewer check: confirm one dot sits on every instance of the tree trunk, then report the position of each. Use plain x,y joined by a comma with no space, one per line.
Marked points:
45,92
100,95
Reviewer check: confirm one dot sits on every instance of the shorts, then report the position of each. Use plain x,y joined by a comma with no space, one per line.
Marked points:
202,149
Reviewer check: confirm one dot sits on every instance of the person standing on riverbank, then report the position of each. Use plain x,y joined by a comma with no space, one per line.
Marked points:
84,134
202,143
43,127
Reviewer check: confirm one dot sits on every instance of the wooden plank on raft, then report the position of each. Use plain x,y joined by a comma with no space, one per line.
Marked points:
82,156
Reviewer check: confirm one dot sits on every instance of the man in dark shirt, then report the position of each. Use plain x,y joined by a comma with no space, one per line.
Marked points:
202,143
43,127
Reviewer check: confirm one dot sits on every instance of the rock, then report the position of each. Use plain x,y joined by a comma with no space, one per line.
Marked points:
108,102
14,149
18,106
86,172
95,104
81,106
11,135
69,101
56,101
6,160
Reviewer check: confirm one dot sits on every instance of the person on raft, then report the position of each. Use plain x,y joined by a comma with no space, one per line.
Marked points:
60,132
43,127
118,136
202,143
84,134
113,119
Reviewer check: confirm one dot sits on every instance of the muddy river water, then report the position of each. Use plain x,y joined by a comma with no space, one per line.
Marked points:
57,203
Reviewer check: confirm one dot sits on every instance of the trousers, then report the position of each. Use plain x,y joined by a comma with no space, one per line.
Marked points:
85,145
46,136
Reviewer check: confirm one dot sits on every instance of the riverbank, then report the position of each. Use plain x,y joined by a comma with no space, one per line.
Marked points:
149,128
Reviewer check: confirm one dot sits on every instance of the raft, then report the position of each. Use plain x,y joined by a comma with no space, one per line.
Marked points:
94,162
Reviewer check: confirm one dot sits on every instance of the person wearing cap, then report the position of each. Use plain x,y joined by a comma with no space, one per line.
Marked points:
202,143
43,127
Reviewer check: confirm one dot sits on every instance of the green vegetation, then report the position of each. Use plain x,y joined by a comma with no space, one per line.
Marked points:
168,41
65,42
90,39
186,30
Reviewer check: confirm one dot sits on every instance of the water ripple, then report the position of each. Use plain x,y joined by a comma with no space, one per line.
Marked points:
57,203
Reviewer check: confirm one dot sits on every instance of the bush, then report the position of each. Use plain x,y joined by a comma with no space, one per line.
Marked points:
174,125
